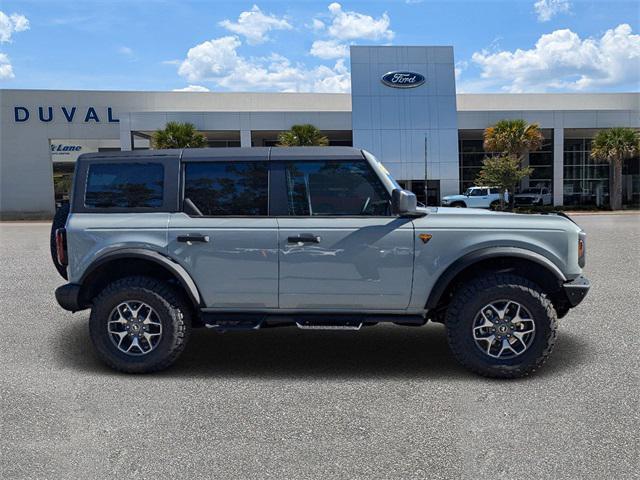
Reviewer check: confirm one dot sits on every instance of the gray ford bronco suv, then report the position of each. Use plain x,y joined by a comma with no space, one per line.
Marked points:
156,243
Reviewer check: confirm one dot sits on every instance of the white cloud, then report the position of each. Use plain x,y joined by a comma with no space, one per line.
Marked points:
412,2
126,51
10,24
219,62
210,59
328,49
460,67
347,25
254,25
192,88
6,70
317,25
547,9
561,60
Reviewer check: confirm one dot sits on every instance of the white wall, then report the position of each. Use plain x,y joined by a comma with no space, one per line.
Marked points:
393,123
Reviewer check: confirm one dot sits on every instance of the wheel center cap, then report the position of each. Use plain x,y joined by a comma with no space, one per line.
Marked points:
503,329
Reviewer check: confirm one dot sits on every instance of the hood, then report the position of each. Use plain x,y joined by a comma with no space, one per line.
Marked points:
466,211
454,197
440,217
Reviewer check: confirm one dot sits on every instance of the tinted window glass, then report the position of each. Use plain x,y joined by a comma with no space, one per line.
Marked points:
477,192
494,191
124,185
335,188
228,188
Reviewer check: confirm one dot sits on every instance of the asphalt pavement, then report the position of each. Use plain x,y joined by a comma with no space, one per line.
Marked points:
385,402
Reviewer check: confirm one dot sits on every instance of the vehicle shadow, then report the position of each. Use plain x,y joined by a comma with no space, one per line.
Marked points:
375,352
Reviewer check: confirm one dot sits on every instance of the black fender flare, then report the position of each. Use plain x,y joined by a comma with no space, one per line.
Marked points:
484,254
174,268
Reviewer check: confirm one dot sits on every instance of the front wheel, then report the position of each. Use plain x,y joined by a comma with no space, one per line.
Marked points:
139,325
459,205
501,326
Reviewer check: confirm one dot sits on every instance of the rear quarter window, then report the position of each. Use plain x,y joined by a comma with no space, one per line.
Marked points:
124,185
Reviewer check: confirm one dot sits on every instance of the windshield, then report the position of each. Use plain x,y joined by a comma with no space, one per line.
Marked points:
475,192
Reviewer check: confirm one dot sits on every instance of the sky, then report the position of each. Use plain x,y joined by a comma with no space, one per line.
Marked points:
510,46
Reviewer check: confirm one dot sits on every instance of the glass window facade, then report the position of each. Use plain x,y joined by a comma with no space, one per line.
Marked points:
472,154
542,163
631,183
586,181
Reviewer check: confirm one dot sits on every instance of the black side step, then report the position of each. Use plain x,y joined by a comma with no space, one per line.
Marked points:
253,321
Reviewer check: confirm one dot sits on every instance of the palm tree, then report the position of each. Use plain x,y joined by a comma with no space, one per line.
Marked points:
178,135
616,145
513,139
302,136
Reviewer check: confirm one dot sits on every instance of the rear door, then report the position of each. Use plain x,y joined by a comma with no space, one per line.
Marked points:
340,248
228,242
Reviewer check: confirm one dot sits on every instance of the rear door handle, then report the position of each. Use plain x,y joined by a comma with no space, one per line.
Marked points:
194,237
304,238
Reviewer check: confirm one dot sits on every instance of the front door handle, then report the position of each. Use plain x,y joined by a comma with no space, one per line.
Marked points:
195,237
304,238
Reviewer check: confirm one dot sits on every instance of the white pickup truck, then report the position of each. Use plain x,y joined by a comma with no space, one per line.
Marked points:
534,196
475,197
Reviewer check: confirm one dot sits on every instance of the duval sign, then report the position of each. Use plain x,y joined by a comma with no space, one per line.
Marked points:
66,113
402,79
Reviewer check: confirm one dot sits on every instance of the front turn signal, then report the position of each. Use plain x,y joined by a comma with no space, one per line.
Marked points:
425,237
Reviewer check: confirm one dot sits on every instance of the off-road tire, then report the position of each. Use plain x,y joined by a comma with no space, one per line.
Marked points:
495,205
173,313
59,221
477,293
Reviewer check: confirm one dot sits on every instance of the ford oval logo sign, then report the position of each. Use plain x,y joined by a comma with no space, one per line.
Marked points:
402,79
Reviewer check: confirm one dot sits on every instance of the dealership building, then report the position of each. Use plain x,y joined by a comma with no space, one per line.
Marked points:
428,136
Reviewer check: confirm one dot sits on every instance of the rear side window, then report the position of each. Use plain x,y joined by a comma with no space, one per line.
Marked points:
335,188
124,185
494,191
228,188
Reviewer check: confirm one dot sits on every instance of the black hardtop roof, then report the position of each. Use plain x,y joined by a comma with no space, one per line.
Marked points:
232,153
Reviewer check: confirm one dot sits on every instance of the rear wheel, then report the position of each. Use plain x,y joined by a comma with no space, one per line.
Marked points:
501,326
139,325
495,205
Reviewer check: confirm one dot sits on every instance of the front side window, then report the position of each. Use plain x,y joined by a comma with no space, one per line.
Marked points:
124,185
228,188
335,188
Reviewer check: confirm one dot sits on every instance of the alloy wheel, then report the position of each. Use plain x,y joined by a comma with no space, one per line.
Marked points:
503,329
134,328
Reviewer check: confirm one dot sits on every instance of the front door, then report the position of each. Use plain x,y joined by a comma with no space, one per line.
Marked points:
339,246
478,198
226,241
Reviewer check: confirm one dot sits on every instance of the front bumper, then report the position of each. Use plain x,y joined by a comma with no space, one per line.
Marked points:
68,297
576,290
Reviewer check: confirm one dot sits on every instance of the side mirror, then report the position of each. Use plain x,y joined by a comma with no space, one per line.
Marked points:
404,203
